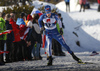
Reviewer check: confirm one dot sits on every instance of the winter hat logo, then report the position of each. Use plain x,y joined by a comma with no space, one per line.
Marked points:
47,8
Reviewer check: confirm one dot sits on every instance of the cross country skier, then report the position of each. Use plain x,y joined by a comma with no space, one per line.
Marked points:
50,19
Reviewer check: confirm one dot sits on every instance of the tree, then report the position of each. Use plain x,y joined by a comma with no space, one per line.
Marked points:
12,2
17,10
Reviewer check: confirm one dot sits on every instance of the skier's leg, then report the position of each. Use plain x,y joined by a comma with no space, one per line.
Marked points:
59,38
48,46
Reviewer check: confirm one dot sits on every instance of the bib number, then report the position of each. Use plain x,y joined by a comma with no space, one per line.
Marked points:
49,25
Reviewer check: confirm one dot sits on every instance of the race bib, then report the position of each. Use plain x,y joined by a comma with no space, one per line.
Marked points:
49,22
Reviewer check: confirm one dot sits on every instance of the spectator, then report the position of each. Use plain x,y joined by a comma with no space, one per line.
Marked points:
23,31
60,17
16,50
67,5
82,3
2,37
99,6
10,39
39,37
36,36
29,21
57,48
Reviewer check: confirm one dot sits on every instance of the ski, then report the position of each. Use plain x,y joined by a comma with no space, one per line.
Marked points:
84,63
93,54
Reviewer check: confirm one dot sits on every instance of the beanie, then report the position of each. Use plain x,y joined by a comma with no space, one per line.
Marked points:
29,17
36,16
47,8
22,15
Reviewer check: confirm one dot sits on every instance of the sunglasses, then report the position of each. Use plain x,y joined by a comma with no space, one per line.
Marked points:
48,12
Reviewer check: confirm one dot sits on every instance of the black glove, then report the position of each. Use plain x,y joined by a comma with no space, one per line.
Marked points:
61,32
41,30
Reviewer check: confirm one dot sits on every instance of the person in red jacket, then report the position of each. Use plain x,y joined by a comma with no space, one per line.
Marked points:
98,1
17,49
23,34
15,28
82,3
99,6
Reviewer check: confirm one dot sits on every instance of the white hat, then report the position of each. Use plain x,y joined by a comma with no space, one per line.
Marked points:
29,24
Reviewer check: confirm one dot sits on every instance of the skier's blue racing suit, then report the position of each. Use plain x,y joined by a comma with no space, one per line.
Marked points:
51,32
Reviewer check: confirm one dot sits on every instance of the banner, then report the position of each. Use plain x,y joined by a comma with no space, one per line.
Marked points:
36,11
1,52
5,32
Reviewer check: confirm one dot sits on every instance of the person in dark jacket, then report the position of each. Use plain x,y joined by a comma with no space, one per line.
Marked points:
82,3
37,29
60,17
98,5
10,39
67,5
36,38
28,21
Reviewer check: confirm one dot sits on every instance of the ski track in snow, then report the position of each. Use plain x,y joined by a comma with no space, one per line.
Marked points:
60,63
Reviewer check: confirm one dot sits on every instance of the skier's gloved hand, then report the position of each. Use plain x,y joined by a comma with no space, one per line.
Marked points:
61,32
41,30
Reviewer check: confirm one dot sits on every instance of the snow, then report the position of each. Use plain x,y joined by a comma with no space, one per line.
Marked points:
86,25
2,7
88,30
74,5
39,4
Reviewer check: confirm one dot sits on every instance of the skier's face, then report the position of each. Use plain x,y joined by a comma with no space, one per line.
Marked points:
48,14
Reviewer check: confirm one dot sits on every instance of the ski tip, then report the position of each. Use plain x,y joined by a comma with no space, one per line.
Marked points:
93,54
86,63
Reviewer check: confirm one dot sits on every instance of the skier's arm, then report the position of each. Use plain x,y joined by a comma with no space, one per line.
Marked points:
40,21
41,24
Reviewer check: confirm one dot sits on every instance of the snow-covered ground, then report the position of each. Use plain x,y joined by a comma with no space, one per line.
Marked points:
60,63
86,25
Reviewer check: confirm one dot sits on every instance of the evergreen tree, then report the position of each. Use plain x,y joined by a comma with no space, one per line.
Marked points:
12,2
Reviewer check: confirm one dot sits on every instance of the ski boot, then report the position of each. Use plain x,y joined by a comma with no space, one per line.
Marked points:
76,58
50,61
